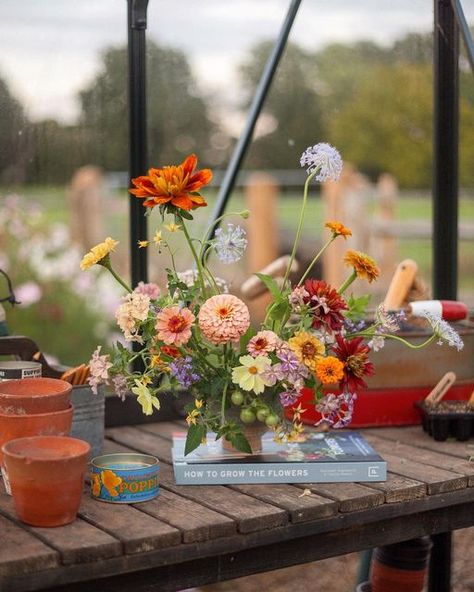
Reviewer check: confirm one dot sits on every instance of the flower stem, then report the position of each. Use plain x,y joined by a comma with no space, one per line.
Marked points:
348,282
299,228
108,266
195,257
315,260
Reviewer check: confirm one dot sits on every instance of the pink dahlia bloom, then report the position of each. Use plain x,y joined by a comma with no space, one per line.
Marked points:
173,325
262,343
223,318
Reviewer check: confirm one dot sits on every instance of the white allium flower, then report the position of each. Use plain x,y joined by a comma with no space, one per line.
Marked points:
444,331
189,277
230,244
324,158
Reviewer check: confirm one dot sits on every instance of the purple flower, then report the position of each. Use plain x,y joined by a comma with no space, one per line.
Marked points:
324,158
120,386
182,370
287,398
336,410
290,368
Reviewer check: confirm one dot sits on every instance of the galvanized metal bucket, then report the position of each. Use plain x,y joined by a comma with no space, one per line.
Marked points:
88,418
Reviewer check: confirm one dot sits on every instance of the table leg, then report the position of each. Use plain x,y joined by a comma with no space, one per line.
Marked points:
440,563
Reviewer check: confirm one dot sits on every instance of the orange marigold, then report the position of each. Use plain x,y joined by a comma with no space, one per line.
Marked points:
329,370
173,185
338,229
364,266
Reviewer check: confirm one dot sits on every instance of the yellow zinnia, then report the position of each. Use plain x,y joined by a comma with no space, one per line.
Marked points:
307,348
98,254
364,266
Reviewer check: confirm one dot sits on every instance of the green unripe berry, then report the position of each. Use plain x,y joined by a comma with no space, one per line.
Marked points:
237,398
272,420
262,414
247,416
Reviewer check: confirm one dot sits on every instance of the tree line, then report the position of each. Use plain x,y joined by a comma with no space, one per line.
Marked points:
374,103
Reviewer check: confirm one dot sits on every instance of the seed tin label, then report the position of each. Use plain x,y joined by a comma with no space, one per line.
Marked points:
17,370
124,478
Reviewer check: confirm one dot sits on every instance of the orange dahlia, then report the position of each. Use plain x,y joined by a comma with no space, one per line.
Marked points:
173,185
223,318
364,266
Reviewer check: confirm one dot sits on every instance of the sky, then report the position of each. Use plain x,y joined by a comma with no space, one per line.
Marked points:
49,49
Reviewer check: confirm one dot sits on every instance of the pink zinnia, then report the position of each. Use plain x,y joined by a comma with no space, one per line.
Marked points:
223,318
151,290
262,343
173,325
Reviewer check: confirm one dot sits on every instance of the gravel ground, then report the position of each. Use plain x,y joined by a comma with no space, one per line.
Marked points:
339,574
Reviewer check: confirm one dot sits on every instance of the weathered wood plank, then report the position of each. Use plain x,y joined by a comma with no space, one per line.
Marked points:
250,514
399,489
415,436
138,532
21,552
76,542
197,522
423,456
164,430
437,480
351,497
301,507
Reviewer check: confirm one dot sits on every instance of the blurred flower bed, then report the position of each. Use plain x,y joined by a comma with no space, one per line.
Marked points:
64,310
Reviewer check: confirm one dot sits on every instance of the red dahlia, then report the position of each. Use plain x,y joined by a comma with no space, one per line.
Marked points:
326,305
356,362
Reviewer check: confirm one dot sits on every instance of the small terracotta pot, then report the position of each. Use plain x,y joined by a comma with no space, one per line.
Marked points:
34,395
47,478
57,423
253,433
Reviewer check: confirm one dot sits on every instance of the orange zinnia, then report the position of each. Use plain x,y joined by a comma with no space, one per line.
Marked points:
338,229
173,185
329,370
364,266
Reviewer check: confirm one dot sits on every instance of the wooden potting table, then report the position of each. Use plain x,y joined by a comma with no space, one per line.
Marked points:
194,535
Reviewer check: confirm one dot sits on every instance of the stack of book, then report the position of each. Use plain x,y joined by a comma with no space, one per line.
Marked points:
342,456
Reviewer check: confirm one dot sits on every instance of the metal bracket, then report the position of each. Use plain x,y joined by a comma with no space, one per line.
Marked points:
139,14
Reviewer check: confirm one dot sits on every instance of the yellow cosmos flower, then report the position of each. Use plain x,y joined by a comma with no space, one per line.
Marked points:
145,398
307,348
329,370
251,375
99,254
143,243
364,266
172,227
157,239
338,229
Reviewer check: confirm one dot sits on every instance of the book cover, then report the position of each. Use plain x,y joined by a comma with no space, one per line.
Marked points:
329,457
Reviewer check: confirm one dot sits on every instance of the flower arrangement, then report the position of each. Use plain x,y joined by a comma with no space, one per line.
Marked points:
195,336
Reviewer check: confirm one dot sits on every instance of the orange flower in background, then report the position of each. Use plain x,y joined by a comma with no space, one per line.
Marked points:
173,185
338,229
364,266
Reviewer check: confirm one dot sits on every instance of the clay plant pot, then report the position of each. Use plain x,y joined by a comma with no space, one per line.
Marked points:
46,477
34,395
253,433
57,423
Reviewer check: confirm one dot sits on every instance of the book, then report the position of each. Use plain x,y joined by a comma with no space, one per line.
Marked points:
325,457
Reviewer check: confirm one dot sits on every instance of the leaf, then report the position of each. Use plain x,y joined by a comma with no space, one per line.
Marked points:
196,433
239,442
246,337
186,215
357,307
270,283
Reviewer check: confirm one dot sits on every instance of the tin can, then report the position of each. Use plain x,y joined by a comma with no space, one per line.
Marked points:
124,478
15,370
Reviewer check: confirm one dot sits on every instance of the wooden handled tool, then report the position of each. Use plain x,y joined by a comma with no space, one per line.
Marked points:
471,400
438,392
400,285
254,287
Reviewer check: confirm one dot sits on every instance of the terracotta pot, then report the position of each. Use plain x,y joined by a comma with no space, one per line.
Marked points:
46,477
57,423
253,433
34,395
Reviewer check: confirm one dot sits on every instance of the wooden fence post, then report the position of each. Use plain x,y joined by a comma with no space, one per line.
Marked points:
261,197
85,204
